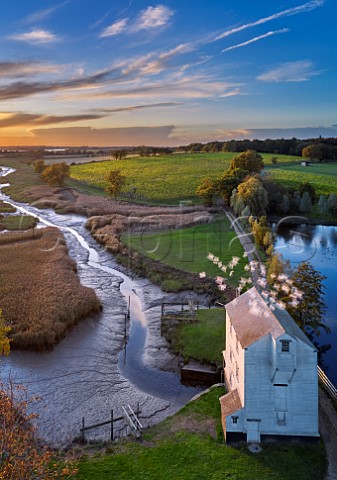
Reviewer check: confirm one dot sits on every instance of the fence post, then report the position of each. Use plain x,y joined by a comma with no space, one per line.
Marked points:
112,426
83,435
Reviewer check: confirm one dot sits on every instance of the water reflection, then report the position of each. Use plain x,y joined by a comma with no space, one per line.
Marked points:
317,244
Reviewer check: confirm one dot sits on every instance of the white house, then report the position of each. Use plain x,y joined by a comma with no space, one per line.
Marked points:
271,374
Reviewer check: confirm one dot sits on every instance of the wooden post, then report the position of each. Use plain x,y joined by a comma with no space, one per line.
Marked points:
125,318
112,426
83,434
129,307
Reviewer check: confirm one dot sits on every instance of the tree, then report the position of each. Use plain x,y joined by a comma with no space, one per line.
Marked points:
39,166
116,181
206,190
323,205
332,204
119,154
4,340
252,194
276,267
305,203
308,187
225,186
309,313
56,174
249,160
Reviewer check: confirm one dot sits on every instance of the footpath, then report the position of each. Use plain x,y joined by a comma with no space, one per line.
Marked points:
328,431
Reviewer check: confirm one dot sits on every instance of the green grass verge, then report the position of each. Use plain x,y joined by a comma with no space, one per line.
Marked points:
322,176
182,448
23,178
17,222
166,179
202,340
187,248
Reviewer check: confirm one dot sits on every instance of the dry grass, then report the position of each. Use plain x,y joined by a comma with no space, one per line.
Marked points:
40,295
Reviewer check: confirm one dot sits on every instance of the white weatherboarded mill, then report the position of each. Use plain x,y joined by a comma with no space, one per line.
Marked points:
271,374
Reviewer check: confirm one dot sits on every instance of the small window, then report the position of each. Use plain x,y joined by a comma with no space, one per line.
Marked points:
231,354
237,345
285,346
230,329
235,419
237,372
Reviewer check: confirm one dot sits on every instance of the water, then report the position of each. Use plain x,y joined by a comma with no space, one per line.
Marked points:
93,370
318,245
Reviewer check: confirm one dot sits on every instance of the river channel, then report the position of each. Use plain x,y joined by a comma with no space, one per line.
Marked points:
318,245
96,368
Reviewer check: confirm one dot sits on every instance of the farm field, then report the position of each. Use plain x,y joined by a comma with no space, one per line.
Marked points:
323,176
187,248
164,179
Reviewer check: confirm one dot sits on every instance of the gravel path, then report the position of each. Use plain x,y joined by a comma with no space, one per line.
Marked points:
328,431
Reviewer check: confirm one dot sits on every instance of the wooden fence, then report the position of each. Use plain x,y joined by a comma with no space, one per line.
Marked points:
329,386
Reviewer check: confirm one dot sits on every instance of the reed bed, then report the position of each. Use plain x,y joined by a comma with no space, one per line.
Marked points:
40,293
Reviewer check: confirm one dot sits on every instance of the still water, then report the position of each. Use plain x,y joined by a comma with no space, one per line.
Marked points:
316,244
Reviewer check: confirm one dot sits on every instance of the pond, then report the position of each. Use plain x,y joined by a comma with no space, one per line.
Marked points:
318,245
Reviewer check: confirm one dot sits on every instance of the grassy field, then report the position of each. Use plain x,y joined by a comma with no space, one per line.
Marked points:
202,340
323,176
17,222
167,179
187,248
189,446
41,296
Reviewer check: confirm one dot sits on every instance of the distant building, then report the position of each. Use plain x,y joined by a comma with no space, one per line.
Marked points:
271,374
305,164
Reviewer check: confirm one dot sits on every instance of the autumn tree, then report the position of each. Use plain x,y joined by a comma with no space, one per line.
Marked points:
309,313
207,189
251,193
116,181
248,160
39,166
56,174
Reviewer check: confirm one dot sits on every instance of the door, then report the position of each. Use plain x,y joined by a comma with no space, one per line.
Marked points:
253,431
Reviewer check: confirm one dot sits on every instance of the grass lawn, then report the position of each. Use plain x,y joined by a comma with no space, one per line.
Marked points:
323,176
189,446
166,179
187,248
202,340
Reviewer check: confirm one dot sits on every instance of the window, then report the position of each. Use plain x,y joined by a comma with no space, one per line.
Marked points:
230,329
237,372
285,346
235,419
237,346
231,354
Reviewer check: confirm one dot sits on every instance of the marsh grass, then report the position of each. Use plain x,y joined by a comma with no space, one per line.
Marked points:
40,294
18,222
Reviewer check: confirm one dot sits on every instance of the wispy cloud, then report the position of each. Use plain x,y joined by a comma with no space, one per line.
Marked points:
21,119
41,15
153,17
26,69
306,7
138,107
115,29
255,39
36,36
300,71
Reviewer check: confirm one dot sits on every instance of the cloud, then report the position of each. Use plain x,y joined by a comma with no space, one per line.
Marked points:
274,133
41,15
300,71
36,36
124,136
115,28
138,107
26,69
185,87
20,119
306,7
255,39
153,17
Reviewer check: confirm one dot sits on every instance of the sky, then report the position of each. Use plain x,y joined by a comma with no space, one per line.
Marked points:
134,72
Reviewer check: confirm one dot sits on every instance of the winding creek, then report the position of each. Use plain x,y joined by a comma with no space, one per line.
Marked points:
95,369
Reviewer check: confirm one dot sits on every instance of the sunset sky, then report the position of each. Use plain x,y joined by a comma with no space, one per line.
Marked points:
130,72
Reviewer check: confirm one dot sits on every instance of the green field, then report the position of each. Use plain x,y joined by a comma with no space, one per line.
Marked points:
166,179
187,248
189,446
323,176
202,340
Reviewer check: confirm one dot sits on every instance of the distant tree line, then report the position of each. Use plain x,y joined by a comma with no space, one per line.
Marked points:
322,149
